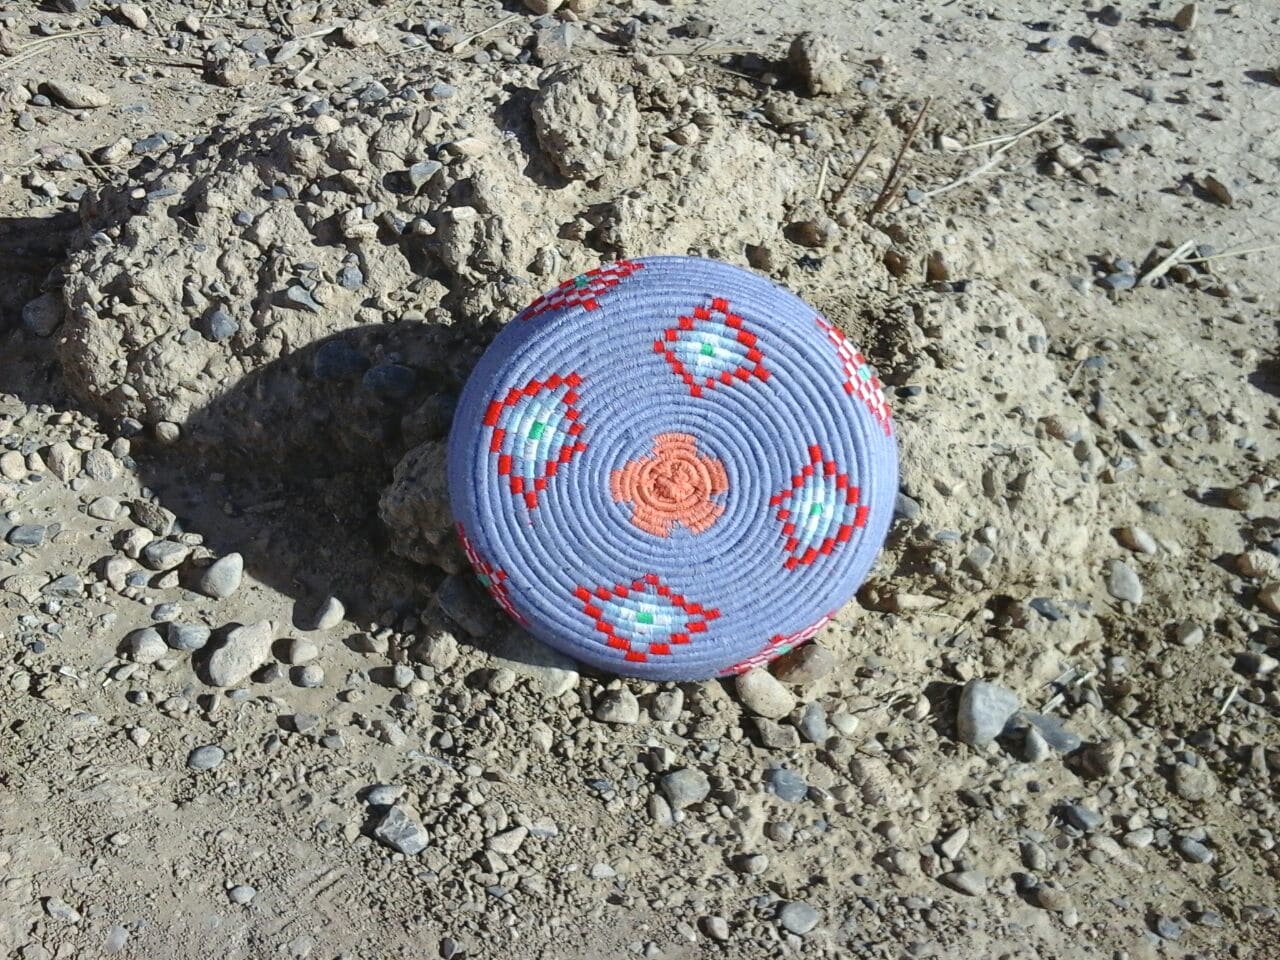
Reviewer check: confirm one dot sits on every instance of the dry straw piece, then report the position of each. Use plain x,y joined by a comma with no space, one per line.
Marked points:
672,468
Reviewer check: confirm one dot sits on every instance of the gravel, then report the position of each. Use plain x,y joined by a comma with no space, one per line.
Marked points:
401,830
221,578
799,918
206,758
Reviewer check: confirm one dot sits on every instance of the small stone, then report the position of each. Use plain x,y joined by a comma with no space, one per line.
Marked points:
383,794
420,173
685,787
132,14
187,637
300,650
666,705
439,650
984,710
206,758
787,785
806,664
798,917
1189,634
1123,583
817,63
761,694
462,602
401,830
1269,597
716,928
543,7
310,676
1194,851
1258,563
241,894
1035,749
222,577
43,315
246,649
969,882
100,465
164,555
813,723
329,615
507,842
26,535
59,909
159,520
104,508
617,706
1054,899
145,646
76,96
1167,928
1102,759
1196,784
1186,17
953,843
1081,817
63,460
1137,540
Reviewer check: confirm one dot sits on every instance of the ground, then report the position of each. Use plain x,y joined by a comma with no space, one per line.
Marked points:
1045,729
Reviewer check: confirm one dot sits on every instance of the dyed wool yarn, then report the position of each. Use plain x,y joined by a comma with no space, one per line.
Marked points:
672,468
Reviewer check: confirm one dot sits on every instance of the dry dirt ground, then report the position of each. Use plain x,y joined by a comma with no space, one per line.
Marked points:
197,201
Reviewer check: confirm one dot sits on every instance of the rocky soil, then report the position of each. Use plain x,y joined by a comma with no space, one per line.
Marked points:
253,705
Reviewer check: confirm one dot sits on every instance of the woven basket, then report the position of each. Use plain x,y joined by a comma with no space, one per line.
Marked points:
672,468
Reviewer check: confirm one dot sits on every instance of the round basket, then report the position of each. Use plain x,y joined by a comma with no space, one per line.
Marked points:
672,468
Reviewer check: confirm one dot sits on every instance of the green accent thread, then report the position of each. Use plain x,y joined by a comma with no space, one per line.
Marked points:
484,581
581,280
536,430
708,350
815,509
644,618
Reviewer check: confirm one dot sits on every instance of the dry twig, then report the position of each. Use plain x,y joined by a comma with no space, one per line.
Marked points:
992,161
894,180
857,169
1168,263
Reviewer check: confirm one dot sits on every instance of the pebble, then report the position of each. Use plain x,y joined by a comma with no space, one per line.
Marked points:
241,894
206,758
787,785
100,465
244,651
1186,17
685,787
42,316
666,705
300,650
310,676
1167,928
984,710
1269,597
383,794
716,928
104,508
132,14
813,723
806,664
507,842
462,602
76,96
817,63
220,325
763,695
187,637
1054,899
798,917
969,882
1137,540
164,555
329,615
1081,817
59,909
401,830
1194,783
1194,851
26,535
1123,583
222,577
145,646
617,706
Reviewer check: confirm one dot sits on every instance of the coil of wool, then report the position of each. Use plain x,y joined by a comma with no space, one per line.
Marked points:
672,468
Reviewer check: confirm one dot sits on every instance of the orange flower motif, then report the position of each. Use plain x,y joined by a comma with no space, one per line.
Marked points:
674,485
